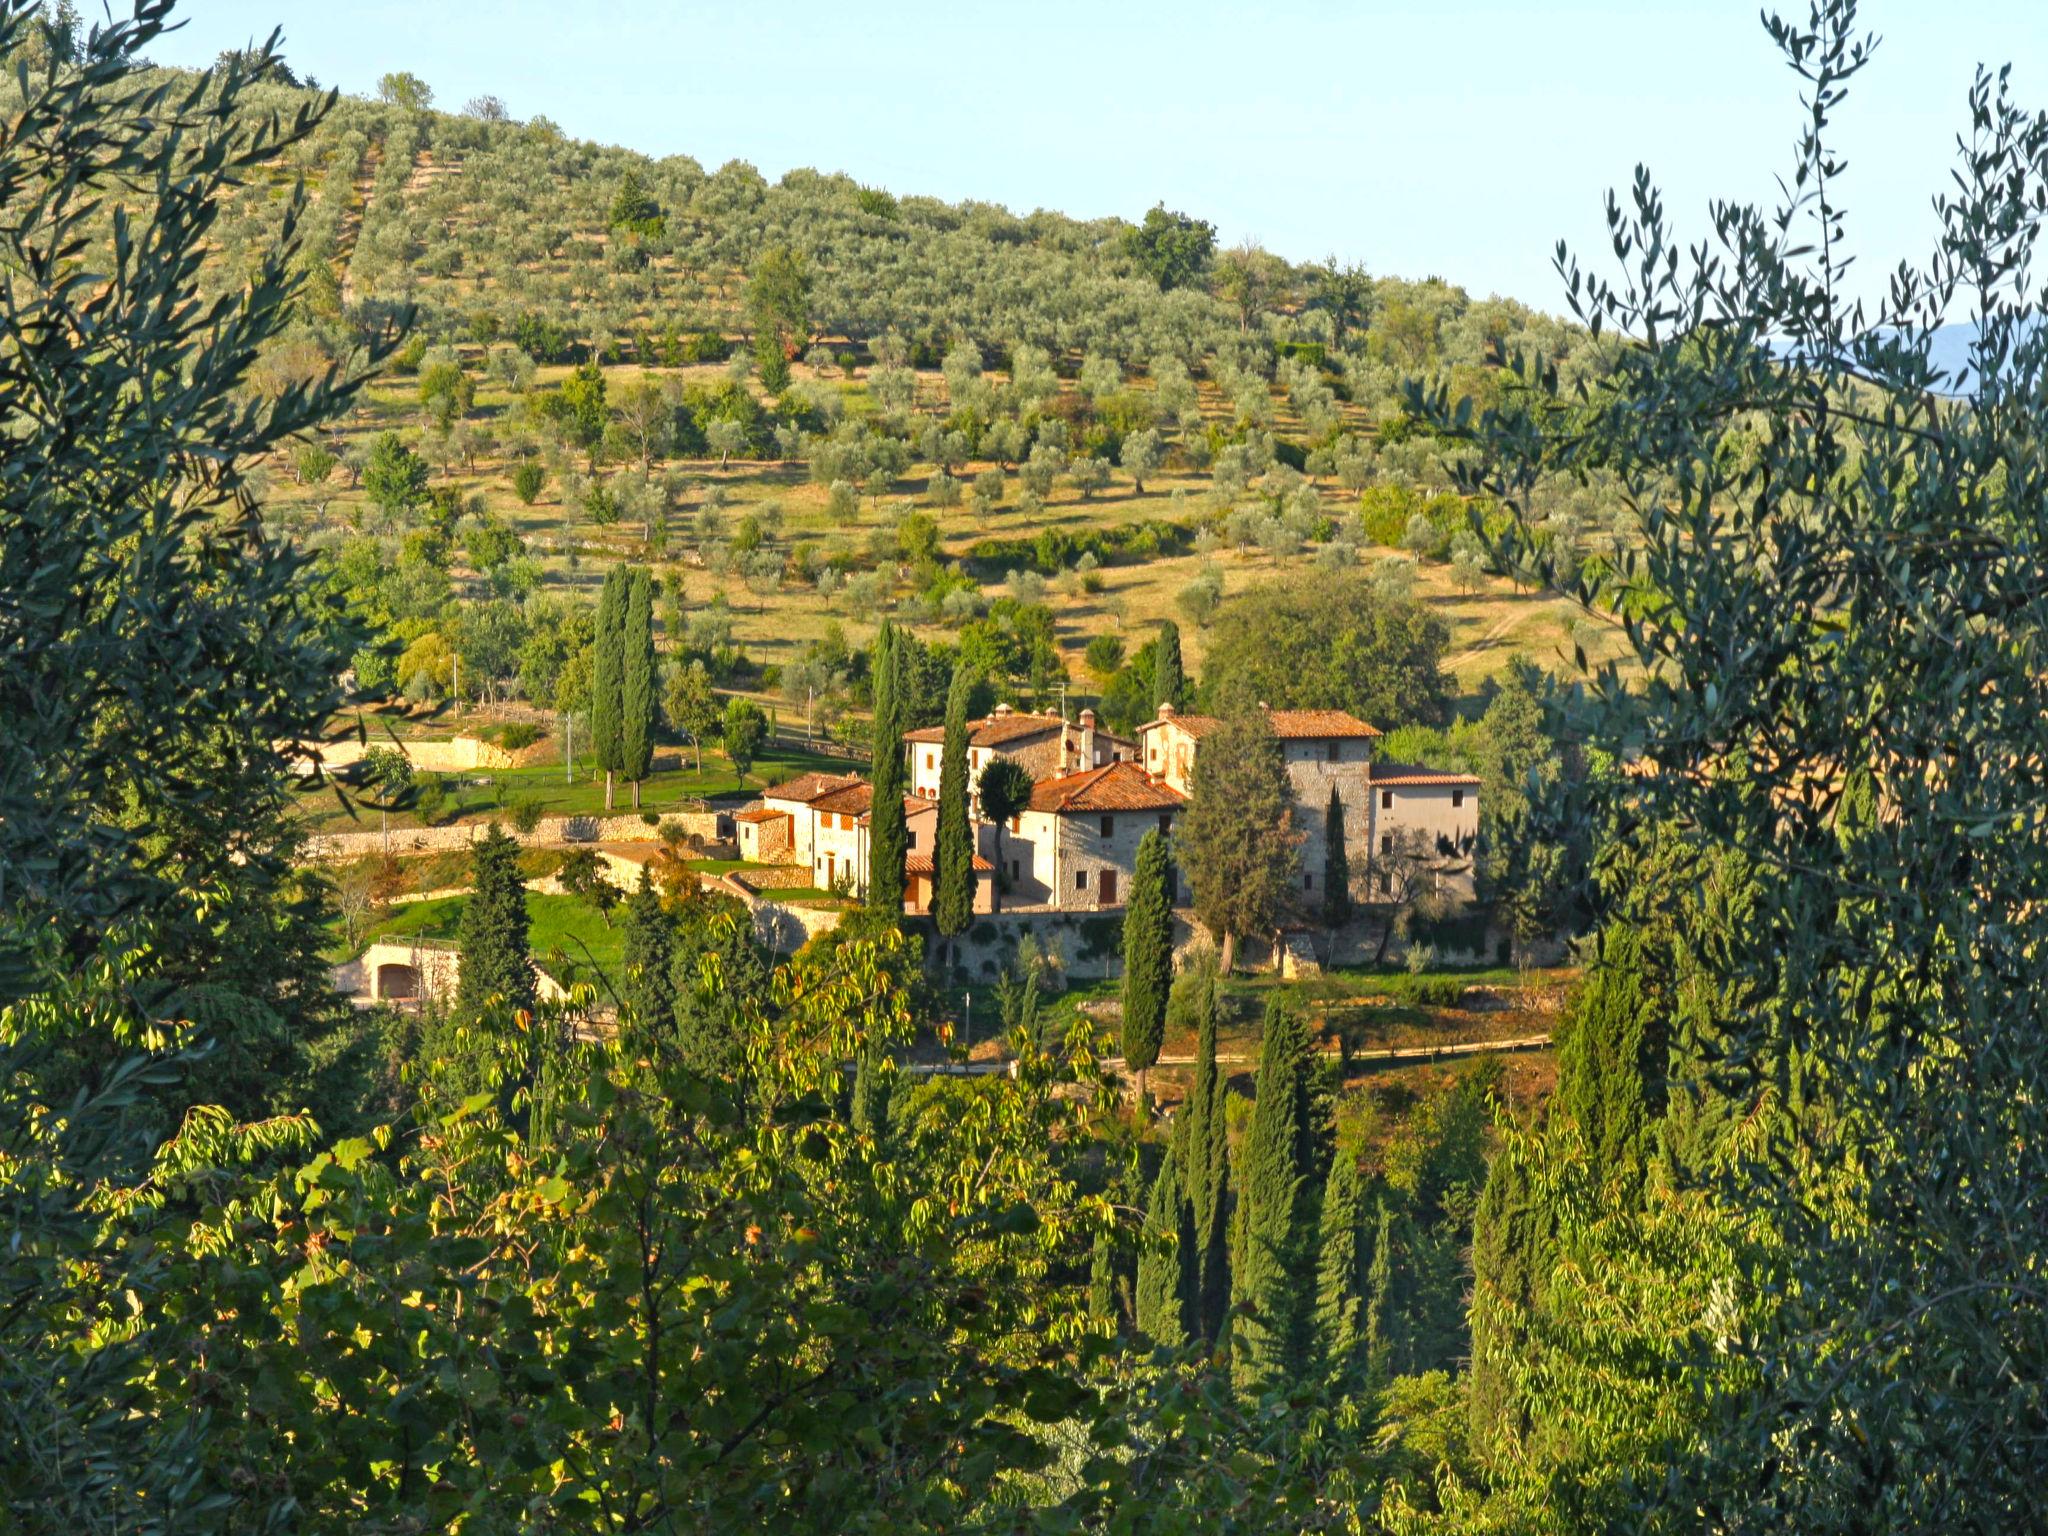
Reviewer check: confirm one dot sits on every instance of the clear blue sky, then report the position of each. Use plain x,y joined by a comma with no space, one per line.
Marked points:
1462,139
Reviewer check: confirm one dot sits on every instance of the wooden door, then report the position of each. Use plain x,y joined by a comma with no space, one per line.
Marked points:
1106,889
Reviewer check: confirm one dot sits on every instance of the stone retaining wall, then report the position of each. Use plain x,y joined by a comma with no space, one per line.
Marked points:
551,832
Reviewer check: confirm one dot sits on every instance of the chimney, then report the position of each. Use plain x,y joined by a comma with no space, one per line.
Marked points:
1001,712
1167,711
1087,739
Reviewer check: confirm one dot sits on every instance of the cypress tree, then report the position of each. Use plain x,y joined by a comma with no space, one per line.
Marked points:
1336,865
1166,673
870,1093
1161,1306
953,854
1379,1301
636,683
1511,1241
493,941
1273,1281
1610,1057
650,989
1102,1277
607,698
1148,956
1340,1276
1194,1006
888,837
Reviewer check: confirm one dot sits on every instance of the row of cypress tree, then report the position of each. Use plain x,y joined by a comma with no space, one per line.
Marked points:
1287,1255
623,682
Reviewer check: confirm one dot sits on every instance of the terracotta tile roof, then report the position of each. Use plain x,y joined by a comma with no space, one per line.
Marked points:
808,788
1288,724
759,813
1316,724
921,864
851,799
911,806
996,730
1117,787
1409,776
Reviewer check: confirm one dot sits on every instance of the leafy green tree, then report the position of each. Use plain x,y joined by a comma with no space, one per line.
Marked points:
496,956
1336,865
691,705
953,848
1003,791
1141,455
779,298
608,678
405,90
636,684
888,837
1328,642
1273,1292
395,479
1167,680
1237,840
1345,294
742,733
1171,248
1148,955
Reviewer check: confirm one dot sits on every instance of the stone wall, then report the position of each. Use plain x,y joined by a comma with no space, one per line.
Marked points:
444,754
551,832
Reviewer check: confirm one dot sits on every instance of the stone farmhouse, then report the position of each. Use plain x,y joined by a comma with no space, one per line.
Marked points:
1075,847
1390,809
1045,746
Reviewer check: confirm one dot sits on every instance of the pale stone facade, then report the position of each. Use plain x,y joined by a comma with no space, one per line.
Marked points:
1385,804
1044,746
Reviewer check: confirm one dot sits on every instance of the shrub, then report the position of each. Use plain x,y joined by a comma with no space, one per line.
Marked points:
525,812
527,480
519,735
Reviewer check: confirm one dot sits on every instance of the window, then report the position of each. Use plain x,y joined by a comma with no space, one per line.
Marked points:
1457,798
1386,845
1016,823
1015,873
1336,751
929,762
1080,879
912,844
1108,826
1166,826
1308,882
1386,799
1386,882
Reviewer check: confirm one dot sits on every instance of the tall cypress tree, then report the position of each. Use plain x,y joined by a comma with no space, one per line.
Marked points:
607,681
636,682
1340,1274
1102,1277
1148,956
953,854
1379,1301
1194,1006
1274,1277
1336,865
496,959
650,988
1162,1312
888,836
1610,1056
1166,673
870,1093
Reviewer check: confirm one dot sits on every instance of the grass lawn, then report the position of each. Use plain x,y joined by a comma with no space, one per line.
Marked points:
565,923
487,793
